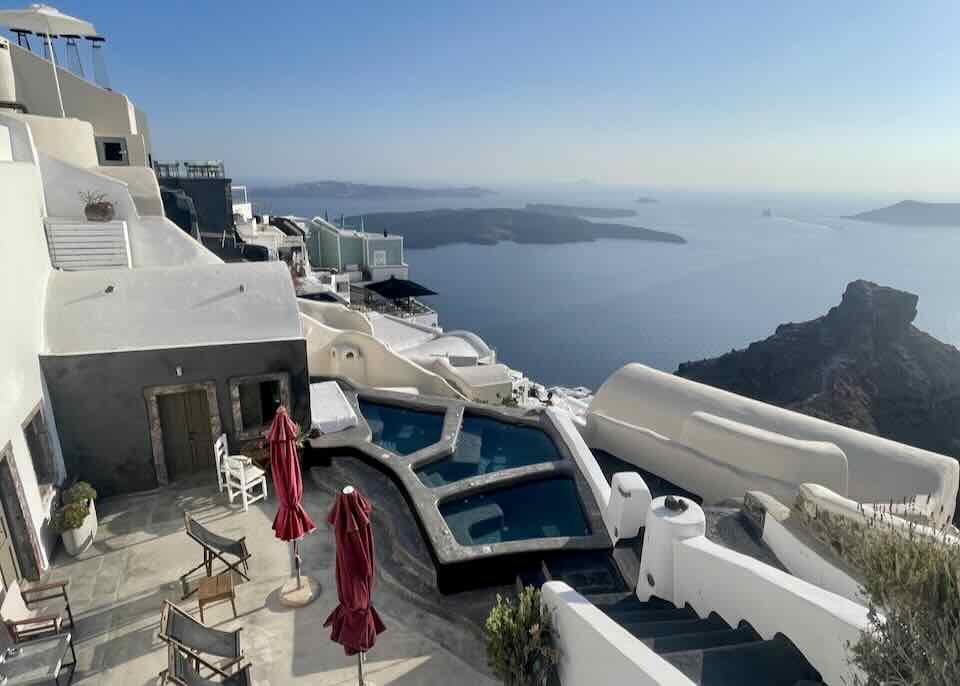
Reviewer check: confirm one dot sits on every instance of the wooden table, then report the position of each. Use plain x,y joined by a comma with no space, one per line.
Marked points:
214,589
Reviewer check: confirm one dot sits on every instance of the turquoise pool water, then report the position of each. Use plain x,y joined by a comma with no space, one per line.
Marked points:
488,445
400,429
535,509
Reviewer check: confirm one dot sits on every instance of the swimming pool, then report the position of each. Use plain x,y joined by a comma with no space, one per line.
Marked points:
399,429
489,445
533,509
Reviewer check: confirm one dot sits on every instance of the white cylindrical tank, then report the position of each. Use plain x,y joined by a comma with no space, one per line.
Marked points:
8,88
669,519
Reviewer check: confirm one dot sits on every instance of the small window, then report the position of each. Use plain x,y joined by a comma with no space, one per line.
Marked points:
41,453
112,151
256,400
379,258
258,403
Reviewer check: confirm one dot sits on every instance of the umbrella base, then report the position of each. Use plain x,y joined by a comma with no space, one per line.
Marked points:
291,596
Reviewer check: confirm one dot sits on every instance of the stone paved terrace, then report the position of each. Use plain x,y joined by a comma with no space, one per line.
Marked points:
118,585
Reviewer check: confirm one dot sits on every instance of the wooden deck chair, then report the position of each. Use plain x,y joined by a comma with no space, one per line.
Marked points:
181,671
215,547
184,634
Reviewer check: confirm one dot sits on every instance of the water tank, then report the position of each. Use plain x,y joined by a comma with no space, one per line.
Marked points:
8,88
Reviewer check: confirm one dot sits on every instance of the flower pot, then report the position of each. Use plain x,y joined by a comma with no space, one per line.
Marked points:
75,541
99,211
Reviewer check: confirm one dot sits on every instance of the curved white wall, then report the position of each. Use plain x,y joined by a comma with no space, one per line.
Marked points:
765,452
365,361
336,316
879,470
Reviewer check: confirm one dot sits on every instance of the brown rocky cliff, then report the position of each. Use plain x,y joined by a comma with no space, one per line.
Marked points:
863,365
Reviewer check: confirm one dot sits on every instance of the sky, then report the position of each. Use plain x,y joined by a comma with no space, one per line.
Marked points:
769,95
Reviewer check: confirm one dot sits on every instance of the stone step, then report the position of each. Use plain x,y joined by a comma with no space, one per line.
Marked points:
631,614
625,599
701,641
675,627
776,662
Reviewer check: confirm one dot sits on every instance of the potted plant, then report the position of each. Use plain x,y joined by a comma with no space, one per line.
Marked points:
76,519
96,206
521,640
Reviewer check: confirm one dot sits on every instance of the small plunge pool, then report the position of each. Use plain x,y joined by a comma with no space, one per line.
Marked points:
533,509
400,429
488,445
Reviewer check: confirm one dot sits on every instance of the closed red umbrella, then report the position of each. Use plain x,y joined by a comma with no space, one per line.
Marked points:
292,522
355,623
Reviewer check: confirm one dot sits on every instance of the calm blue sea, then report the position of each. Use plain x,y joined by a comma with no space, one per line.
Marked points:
572,314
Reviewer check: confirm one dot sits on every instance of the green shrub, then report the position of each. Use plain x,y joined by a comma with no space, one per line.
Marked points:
80,492
521,641
69,517
912,585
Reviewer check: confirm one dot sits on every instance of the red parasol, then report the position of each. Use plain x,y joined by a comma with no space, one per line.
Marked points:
292,522
355,622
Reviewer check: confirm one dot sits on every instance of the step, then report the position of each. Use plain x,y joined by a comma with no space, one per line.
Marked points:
635,615
625,599
773,663
675,627
701,641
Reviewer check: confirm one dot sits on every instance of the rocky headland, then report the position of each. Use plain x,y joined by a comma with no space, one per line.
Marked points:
863,364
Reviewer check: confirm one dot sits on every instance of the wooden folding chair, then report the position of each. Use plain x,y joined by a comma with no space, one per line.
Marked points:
184,634
215,547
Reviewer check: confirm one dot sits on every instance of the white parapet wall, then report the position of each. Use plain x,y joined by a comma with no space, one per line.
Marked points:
759,451
623,502
639,414
596,651
821,624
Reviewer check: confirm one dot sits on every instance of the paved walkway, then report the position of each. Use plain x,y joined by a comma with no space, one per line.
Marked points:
117,588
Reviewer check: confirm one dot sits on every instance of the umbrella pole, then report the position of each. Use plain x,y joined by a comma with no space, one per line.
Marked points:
56,77
296,560
360,668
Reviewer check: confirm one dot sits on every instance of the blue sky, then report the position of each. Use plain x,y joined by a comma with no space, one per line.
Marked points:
809,96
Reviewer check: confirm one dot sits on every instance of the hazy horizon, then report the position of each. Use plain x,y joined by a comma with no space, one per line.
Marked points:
853,97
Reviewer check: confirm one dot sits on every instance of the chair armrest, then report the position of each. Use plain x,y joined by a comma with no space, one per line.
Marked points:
46,587
43,619
241,458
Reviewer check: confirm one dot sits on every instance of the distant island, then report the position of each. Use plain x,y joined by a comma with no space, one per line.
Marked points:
432,228
581,211
914,213
644,200
363,191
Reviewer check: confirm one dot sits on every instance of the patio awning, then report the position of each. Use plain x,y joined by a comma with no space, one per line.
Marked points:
395,289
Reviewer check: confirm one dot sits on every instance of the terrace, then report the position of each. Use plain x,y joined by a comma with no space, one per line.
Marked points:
118,585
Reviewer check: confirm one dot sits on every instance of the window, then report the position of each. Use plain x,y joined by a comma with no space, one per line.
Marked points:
379,258
255,401
112,151
38,443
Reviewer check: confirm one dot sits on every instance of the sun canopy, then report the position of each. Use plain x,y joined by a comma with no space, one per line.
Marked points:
44,19
48,21
394,289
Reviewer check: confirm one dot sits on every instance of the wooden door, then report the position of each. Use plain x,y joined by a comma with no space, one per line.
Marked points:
9,567
187,443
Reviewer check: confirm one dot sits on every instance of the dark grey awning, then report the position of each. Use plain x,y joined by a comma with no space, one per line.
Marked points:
395,289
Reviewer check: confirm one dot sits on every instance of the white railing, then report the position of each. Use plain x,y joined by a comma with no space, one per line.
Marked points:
77,245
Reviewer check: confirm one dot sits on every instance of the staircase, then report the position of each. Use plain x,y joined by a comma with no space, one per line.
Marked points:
708,650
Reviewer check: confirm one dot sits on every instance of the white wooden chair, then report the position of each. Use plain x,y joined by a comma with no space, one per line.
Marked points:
242,478
221,451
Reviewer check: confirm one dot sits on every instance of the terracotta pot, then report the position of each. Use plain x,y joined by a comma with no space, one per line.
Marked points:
75,541
99,211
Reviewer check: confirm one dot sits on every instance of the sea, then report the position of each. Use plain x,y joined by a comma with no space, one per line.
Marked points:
572,314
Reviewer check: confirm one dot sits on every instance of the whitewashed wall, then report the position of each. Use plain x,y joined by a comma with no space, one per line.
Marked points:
372,363
638,397
596,651
24,267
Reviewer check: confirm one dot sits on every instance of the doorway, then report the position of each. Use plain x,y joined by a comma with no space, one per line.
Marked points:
187,439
